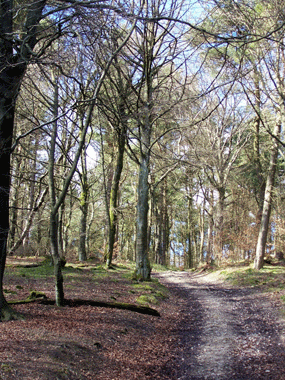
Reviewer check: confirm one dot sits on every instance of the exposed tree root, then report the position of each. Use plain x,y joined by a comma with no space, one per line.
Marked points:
114,305
7,313
77,302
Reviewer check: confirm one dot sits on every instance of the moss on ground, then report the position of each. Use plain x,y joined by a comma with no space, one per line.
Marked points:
271,278
150,292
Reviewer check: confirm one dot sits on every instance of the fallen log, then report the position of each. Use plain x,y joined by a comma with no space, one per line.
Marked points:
78,302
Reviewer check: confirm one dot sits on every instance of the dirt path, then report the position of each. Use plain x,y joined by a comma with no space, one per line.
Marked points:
227,333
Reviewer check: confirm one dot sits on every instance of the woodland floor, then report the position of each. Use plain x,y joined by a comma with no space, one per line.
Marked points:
207,330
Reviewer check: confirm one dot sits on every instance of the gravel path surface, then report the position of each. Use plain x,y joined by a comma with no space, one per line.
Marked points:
227,333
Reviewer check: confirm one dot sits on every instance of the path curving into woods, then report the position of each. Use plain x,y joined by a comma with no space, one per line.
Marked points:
227,333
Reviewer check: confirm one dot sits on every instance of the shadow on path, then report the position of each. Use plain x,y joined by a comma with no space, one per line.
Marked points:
227,333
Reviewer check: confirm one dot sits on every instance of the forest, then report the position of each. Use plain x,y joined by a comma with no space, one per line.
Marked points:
147,131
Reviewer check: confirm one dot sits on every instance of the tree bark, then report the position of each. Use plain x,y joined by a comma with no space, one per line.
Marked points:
82,254
6,133
54,222
142,262
114,195
12,69
219,223
210,228
189,263
266,211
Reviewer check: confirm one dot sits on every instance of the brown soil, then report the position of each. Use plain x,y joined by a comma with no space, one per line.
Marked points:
206,330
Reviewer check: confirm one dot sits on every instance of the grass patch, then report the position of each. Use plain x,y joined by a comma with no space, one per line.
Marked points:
43,270
128,275
126,266
142,286
269,279
163,268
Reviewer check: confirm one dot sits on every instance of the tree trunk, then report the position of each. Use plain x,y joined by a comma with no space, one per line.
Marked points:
7,110
165,224
113,219
202,232
260,181
189,263
142,262
17,173
209,255
12,69
6,134
59,294
82,254
264,224
28,222
54,224
219,224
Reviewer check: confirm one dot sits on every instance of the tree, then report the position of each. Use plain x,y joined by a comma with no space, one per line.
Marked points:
153,50
16,45
18,38
113,104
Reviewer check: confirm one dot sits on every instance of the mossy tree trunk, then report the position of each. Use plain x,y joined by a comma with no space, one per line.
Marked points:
12,69
266,211
114,194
